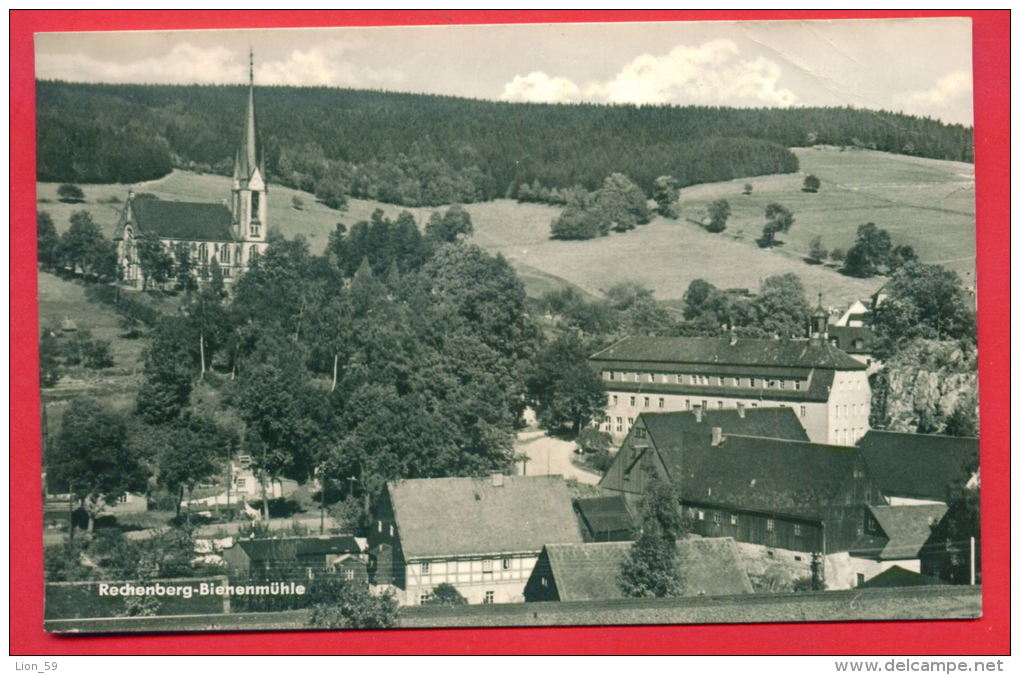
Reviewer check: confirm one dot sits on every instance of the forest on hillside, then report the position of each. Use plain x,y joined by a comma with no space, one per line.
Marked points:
415,149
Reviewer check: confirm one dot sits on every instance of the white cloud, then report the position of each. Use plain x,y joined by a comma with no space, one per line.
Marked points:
952,90
537,87
708,74
326,64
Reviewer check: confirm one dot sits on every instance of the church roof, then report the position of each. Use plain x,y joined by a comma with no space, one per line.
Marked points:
723,351
185,221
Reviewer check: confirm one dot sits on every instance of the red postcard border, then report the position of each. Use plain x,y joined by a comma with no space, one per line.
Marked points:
988,635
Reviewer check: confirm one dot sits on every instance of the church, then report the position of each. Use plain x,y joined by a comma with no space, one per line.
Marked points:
233,235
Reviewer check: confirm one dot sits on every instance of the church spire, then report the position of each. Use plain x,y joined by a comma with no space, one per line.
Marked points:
249,156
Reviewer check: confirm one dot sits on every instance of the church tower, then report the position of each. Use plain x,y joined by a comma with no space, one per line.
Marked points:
248,204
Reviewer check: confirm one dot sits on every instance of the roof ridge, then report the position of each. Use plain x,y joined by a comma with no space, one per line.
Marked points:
792,440
914,433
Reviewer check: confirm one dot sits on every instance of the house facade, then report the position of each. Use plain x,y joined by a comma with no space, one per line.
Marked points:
827,389
481,535
232,233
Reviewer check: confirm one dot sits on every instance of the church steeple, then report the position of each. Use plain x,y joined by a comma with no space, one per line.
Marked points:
249,184
820,322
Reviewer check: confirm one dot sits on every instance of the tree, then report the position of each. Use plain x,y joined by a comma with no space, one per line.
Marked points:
352,606
817,252
666,193
924,301
70,193
650,570
811,183
837,255
92,458
47,240
579,222
452,225
49,359
186,451
80,242
445,595
870,254
621,203
331,192
782,306
297,203
563,389
778,218
156,262
748,188
184,269
718,214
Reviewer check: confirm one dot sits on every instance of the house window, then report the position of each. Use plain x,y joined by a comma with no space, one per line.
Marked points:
662,403
754,405
701,514
803,411
651,377
754,382
426,568
619,424
733,519
545,583
772,384
720,405
506,563
630,422
490,597
240,482
423,598
633,401
687,404
349,575
639,433
616,399
612,375
770,525
379,526
704,404
647,401
717,518
391,530
797,530
486,567
796,385
782,384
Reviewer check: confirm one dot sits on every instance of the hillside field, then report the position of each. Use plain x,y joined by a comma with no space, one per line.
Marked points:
928,204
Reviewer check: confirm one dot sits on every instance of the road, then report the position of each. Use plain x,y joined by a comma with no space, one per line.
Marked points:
549,456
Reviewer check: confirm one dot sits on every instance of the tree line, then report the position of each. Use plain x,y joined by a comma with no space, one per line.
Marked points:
418,149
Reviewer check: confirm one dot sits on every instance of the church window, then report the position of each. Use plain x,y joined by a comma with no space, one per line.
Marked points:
203,253
225,254
253,254
255,205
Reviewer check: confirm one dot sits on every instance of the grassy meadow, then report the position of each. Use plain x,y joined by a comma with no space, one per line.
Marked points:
928,204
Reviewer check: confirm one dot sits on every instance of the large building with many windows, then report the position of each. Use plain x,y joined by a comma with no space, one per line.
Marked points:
231,233
827,389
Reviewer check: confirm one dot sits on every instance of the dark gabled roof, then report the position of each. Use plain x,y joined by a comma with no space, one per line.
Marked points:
184,221
845,337
918,466
906,528
668,429
290,548
592,571
605,515
766,474
743,352
898,576
459,516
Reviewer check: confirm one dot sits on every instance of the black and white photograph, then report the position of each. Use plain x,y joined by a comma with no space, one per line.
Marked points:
508,325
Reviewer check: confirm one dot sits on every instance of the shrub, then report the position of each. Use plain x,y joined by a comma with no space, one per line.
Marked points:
70,193
811,183
445,595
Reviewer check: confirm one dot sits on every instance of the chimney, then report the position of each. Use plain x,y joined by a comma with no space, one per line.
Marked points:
698,412
717,437
497,480
740,409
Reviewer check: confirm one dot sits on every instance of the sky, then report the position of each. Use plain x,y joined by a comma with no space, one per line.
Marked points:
918,66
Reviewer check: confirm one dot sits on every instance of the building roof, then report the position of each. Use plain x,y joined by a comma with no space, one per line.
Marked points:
184,221
847,336
289,548
668,428
817,390
898,576
918,466
605,515
733,352
592,571
906,528
459,516
765,474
